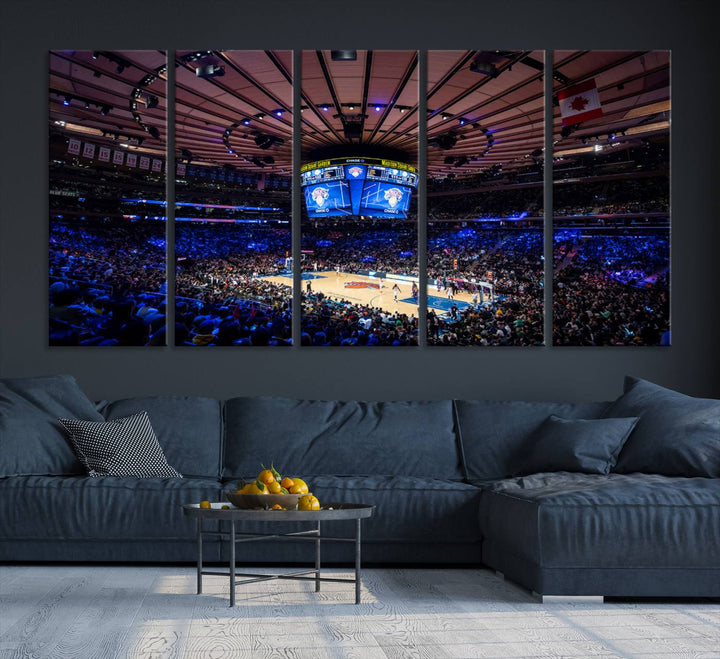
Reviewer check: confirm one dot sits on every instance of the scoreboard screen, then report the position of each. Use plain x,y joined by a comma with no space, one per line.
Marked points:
328,199
384,199
359,187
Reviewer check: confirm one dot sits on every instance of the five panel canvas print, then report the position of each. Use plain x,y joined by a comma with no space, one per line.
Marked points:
488,199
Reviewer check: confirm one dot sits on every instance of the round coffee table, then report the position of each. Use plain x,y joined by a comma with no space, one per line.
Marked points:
330,512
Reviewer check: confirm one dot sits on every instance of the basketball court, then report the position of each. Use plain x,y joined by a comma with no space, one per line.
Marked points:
374,292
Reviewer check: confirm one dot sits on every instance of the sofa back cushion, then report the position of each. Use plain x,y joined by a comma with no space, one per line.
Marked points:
32,440
677,435
493,434
314,437
188,428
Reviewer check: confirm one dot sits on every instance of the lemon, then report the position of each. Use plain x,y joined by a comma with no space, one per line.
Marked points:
256,487
274,487
205,504
308,502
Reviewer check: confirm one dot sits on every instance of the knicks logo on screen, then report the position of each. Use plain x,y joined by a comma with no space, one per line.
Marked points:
320,196
393,196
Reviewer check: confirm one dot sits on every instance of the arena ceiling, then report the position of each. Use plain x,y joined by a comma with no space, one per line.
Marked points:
485,108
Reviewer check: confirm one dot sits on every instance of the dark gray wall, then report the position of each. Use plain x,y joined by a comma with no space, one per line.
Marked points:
31,28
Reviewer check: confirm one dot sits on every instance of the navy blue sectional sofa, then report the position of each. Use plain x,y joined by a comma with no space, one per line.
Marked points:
455,482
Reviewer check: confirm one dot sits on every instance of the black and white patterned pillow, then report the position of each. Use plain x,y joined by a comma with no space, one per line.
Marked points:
121,447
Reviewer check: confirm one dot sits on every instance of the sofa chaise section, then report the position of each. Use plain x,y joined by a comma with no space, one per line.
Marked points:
639,535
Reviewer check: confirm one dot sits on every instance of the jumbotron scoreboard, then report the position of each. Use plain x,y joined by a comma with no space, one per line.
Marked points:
371,187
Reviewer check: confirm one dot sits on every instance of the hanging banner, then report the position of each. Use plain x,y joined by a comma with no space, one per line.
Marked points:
144,162
131,160
74,147
88,150
118,157
104,154
156,165
579,103
181,169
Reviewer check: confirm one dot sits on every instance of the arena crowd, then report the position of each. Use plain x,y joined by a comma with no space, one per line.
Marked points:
107,265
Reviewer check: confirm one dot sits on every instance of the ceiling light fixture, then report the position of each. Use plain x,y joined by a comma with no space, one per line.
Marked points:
210,71
343,55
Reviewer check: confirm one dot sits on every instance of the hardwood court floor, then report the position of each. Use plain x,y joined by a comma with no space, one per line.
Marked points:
97,612
333,285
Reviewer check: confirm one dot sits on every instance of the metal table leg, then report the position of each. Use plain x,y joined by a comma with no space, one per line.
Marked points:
357,561
317,560
232,562
200,556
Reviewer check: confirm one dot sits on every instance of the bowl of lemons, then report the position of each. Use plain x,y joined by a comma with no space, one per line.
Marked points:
272,491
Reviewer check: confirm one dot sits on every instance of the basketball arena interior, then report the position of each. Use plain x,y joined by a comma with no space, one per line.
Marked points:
407,194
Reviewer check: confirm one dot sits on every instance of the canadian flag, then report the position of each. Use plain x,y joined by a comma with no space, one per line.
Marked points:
579,103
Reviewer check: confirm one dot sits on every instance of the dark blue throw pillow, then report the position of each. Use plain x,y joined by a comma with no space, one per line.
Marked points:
677,435
32,441
590,446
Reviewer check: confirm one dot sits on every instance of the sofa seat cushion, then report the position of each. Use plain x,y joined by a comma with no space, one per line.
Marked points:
314,437
188,428
569,520
494,434
32,441
408,509
103,508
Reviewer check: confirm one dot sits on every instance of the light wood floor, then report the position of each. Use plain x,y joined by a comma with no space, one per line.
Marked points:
332,285
96,612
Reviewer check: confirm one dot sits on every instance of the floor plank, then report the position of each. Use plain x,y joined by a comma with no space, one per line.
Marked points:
98,612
